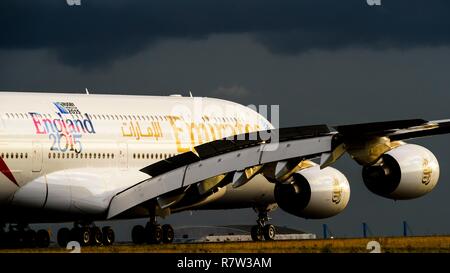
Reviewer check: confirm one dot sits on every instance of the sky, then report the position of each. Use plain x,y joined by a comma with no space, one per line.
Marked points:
324,62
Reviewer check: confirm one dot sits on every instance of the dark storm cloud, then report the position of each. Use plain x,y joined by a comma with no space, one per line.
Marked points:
101,31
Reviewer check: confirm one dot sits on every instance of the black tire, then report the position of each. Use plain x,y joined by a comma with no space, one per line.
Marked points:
2,238
63,237
138,235
269,232
96,236
75,234
30,238
42,238
15,239
85,236
167,234
257,233
153,234
108,236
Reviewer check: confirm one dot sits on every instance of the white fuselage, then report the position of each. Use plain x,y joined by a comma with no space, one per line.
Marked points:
69,154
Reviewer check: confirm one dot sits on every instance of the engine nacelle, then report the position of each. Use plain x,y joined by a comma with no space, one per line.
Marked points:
406,172
314,193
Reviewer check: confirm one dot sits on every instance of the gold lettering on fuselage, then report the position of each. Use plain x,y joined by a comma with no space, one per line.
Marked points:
133,129
187,134
426,173
337,192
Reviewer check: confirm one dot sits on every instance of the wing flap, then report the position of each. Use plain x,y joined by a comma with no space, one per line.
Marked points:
146,190
395,130
437,127
377,128
171,163
222,163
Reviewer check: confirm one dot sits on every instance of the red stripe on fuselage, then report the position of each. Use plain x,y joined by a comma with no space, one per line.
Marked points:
5,170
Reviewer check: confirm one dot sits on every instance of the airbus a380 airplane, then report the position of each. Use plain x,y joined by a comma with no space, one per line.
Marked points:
85,158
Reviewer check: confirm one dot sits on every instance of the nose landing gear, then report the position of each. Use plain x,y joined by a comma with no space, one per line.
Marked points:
263,231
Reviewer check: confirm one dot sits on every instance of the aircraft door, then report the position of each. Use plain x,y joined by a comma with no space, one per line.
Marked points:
123,156
36,156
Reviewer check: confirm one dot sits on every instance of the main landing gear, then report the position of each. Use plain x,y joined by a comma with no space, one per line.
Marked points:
263,231
22,236
152,233
86,235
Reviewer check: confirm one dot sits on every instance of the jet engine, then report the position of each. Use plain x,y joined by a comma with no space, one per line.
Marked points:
406,172
314,193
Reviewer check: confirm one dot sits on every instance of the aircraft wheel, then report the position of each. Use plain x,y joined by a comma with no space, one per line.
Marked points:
269,232
167,234
153,234
42,238
75,234
2,238
97,236
15,239
63,237
257,233
84,236
138,235
29,238
108,236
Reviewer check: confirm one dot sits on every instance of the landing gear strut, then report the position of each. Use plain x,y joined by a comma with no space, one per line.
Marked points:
263,231
152,233
86,234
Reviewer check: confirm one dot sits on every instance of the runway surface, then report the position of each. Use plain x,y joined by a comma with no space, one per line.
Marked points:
353,245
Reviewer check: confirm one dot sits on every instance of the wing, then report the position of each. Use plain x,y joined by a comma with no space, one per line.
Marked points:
275,153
